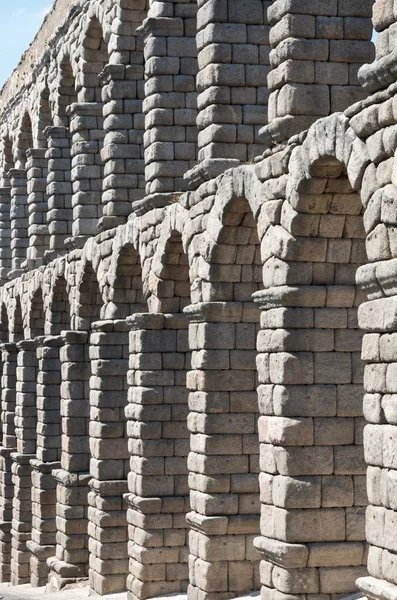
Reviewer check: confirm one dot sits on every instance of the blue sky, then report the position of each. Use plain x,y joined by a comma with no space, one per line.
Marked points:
19,23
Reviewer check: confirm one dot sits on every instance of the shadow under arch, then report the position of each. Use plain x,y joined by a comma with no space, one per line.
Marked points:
25,139
170,282
95,52
4,324
126,286
90,300
37,315
59,317
67,93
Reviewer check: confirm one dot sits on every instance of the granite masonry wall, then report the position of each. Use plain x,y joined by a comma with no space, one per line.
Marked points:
198,300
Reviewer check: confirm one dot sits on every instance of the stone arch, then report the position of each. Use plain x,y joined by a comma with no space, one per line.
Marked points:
223,343
89,298
309,361
162,334
167,275
5,207
37,315
66,92
170,285
49,424
37,171
330,137
94,52
231,266
126,293
59,186
59,311
25,139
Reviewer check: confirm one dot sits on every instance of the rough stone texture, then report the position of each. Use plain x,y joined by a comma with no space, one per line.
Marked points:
194,304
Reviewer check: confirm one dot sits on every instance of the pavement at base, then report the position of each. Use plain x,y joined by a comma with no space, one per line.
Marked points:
26,592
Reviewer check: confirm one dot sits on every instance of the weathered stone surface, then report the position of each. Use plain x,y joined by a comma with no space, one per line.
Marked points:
184,376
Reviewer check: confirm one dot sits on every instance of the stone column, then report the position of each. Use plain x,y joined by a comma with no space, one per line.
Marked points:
8,399
25,433
109,464
312,480
59,189
317,49
223,459
378,74
36,168
170,104
86,123
122,153
233,54
70,562
43,542
19,220
159,443
380,435
5,233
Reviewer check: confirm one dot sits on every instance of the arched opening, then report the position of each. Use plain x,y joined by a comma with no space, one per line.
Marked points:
95,54
17,330
110,458
5,206
172,272
36,316
8,441
59,184
49,430
45,118
90,299
312,383
19,197
67,94
60,308
25,139
78,383
223,419
26,430
159,362
235,266
8,159
126,293
88,179
37,172
4,335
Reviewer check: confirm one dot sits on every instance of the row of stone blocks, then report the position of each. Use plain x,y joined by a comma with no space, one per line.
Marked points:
99,478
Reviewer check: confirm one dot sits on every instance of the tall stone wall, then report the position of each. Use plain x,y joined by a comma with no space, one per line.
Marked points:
197,301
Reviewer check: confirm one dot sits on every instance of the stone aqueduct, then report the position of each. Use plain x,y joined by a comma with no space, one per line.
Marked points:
198,258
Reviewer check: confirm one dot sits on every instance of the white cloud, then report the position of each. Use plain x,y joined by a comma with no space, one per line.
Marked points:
42,13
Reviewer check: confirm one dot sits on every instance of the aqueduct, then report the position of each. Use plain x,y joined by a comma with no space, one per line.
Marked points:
198,264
